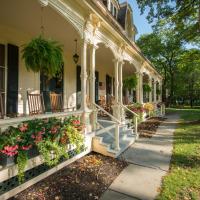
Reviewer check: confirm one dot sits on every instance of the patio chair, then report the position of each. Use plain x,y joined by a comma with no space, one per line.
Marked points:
2,110
56,102
35,103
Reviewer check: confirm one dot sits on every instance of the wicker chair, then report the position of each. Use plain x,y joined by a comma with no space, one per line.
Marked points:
35,103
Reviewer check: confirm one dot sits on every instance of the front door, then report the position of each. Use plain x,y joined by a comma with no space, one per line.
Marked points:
47,85
78,86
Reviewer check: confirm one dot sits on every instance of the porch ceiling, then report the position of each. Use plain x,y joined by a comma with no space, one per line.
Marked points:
25,16
128,69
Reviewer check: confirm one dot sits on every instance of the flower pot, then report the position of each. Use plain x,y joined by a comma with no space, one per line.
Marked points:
6,161
33,152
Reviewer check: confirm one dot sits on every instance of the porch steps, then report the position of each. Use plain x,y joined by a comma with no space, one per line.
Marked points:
104,141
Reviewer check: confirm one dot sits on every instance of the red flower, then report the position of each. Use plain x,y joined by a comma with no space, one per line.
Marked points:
23,127
54,130
76,122
10,150
26,148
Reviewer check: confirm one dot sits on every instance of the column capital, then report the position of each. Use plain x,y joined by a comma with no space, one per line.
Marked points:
93,46
116,61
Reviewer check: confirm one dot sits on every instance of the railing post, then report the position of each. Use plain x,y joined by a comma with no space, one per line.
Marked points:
136,126
117,147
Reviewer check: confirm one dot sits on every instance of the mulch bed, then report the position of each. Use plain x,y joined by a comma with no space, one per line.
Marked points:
148,128
85,179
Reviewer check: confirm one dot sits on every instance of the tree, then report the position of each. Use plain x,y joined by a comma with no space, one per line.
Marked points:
183,16
163,50
188,76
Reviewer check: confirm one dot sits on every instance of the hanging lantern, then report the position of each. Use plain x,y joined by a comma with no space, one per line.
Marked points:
75,56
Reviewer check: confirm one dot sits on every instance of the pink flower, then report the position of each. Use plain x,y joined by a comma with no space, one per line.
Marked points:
76,122
23,127
10,150
26,148
33,136
53,130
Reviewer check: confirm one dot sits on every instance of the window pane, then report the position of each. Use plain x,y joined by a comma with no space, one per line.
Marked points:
2,79
2,55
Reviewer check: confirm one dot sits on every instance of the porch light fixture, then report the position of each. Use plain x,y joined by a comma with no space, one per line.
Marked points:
75,56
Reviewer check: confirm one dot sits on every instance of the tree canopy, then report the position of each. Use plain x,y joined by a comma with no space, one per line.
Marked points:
183,16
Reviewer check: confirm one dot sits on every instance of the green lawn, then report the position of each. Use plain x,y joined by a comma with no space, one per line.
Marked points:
183,180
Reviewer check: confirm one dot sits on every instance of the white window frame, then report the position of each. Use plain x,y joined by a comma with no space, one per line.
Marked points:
5,74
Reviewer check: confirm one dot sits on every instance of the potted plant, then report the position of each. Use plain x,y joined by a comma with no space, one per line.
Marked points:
8,146
42,55
130,82
146,88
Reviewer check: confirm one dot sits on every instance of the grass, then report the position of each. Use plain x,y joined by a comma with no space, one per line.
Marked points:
183,180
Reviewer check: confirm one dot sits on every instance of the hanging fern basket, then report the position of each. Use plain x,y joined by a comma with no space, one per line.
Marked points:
42,55
130,82
146,88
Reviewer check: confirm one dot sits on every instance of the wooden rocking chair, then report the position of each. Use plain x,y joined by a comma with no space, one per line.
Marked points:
35,103
56,102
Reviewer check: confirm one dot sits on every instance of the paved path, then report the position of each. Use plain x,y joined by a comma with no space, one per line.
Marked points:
149,160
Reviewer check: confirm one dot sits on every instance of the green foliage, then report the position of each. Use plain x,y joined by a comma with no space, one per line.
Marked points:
52,152
74,137
181,16
44,56
163,50
22,159
9,137
183,180
130,82
45,134
146,88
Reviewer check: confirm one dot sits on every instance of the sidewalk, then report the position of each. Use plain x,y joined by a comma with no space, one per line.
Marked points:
149,160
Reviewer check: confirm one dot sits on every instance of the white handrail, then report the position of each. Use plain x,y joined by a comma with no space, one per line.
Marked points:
117,124
125,107
107,113
17,120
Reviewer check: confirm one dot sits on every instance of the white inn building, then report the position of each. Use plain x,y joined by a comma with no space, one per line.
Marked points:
91,85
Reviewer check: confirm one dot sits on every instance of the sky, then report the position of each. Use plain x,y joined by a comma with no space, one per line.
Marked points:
140,21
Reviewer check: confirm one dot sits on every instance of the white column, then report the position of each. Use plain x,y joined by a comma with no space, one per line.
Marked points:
109,5
92,73
121,82
155,99
141,87
150,93
116,62
84,76
93,115
116,110
161,91
138,88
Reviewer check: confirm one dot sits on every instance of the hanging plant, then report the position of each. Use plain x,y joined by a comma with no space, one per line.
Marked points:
158,91
146,88
130,82
45,56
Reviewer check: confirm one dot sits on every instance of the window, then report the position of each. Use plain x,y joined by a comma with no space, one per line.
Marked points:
115,12
105,2
2,70
111,8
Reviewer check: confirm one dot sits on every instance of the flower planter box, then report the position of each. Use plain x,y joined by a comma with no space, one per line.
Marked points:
33,152
6,161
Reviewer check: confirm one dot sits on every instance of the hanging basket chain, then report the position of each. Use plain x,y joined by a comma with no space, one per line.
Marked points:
42,21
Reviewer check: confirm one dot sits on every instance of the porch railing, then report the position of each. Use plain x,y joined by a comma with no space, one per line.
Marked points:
15,121
135,117
116,125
